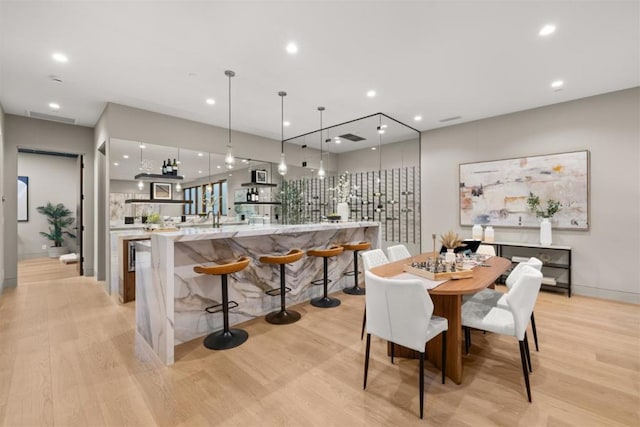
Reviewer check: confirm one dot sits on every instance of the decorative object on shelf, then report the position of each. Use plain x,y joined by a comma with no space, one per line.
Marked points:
229,160
489,234
282,166
451,240
59,218
476,232
553,207
321,173
161,191
496,192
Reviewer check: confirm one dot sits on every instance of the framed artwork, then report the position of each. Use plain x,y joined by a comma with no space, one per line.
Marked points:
161,191
495,192
23,198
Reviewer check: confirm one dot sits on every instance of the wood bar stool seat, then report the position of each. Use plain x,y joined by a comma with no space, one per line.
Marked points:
282,316
356,248
326,253
226,338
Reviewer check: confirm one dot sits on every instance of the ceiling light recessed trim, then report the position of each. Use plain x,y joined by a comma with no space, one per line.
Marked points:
292,48
54,105
417,118
371,93
210,101
547,30
557,84
60,57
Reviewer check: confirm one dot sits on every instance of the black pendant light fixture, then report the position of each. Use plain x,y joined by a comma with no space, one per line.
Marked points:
229,160
282,167
321,172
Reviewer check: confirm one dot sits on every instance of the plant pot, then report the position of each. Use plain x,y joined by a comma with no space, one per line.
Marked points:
56,251
450,256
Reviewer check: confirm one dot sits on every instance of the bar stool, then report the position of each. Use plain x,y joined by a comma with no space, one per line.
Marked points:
325,301
226,338
283,316
355,247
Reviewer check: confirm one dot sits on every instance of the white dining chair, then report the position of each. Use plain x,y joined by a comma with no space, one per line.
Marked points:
398,252
370,259
486,250
493,297
512,320
401,312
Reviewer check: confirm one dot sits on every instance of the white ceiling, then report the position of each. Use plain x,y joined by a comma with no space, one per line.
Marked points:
473,59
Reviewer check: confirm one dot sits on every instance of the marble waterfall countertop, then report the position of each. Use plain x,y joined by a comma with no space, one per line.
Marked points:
171,297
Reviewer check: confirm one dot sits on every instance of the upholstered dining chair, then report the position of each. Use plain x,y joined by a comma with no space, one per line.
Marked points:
486,250
401,312
370,259
398,252
512,320
493,297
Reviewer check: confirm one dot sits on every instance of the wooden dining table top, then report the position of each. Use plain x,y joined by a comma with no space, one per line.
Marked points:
483,276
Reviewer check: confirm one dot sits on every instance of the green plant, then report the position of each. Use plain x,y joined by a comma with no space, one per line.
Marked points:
553,206
59,218
153,218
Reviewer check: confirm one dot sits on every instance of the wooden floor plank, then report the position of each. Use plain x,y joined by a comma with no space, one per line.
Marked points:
69,356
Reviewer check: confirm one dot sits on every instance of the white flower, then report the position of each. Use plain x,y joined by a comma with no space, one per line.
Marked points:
343,191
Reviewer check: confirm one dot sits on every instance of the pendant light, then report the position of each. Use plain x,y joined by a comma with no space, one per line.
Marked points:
321,172
178,186
379,179
140,183
282,167
209,187
229,160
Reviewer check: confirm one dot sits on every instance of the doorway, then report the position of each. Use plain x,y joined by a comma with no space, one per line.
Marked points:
53,182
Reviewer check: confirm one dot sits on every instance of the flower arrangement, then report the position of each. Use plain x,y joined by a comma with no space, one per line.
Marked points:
553,206
343,191
451,240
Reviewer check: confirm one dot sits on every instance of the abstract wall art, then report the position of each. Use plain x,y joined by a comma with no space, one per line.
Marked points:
495,192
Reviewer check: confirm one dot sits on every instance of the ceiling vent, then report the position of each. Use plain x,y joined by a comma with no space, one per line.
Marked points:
51,117
449,119
351,137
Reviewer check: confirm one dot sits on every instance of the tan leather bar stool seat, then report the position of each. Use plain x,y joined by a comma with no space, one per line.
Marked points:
356,248
282,316
324,301
226,338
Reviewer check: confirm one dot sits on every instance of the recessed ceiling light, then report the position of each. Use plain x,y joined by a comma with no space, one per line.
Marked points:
374,148
245,161
557,84
54,106
292,48
384,126
218,167
286,123
210,101
143,146
60,57
200,154
115,163
125,156
371,93
199,171
338,141
547,30
417,118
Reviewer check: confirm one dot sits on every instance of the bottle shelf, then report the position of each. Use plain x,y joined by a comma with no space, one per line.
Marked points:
157,177
257,203
158,201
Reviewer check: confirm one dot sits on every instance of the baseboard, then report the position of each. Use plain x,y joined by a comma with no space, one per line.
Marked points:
609,294
88,272
9,283
32,255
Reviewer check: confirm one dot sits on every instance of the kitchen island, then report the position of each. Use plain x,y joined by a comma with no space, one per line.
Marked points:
171,297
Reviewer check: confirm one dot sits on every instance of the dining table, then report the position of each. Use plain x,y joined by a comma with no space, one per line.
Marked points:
447,302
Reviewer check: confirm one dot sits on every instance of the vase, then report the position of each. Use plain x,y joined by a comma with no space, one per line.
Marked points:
342,209
476,232
545,232
489,235
450,256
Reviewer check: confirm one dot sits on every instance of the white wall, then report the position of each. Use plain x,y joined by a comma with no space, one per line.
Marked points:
26,132
51,179
2,199
608,126
396,155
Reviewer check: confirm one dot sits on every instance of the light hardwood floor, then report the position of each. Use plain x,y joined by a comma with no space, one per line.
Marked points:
69,357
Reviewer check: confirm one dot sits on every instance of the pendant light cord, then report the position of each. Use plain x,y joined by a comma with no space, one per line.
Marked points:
230,75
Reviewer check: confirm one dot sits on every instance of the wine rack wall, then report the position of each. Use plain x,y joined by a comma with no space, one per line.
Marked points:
391,196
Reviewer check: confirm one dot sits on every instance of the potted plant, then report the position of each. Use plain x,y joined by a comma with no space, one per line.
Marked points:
59,219
553,207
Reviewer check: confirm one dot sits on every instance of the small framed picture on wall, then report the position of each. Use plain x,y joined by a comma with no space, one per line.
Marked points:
160,191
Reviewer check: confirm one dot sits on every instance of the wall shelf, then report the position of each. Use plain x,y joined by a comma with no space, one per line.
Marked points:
160,202
157,177
257,203
258,184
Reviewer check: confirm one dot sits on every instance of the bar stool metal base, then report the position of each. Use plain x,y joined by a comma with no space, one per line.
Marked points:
356,290
282,317
224,340
325,302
